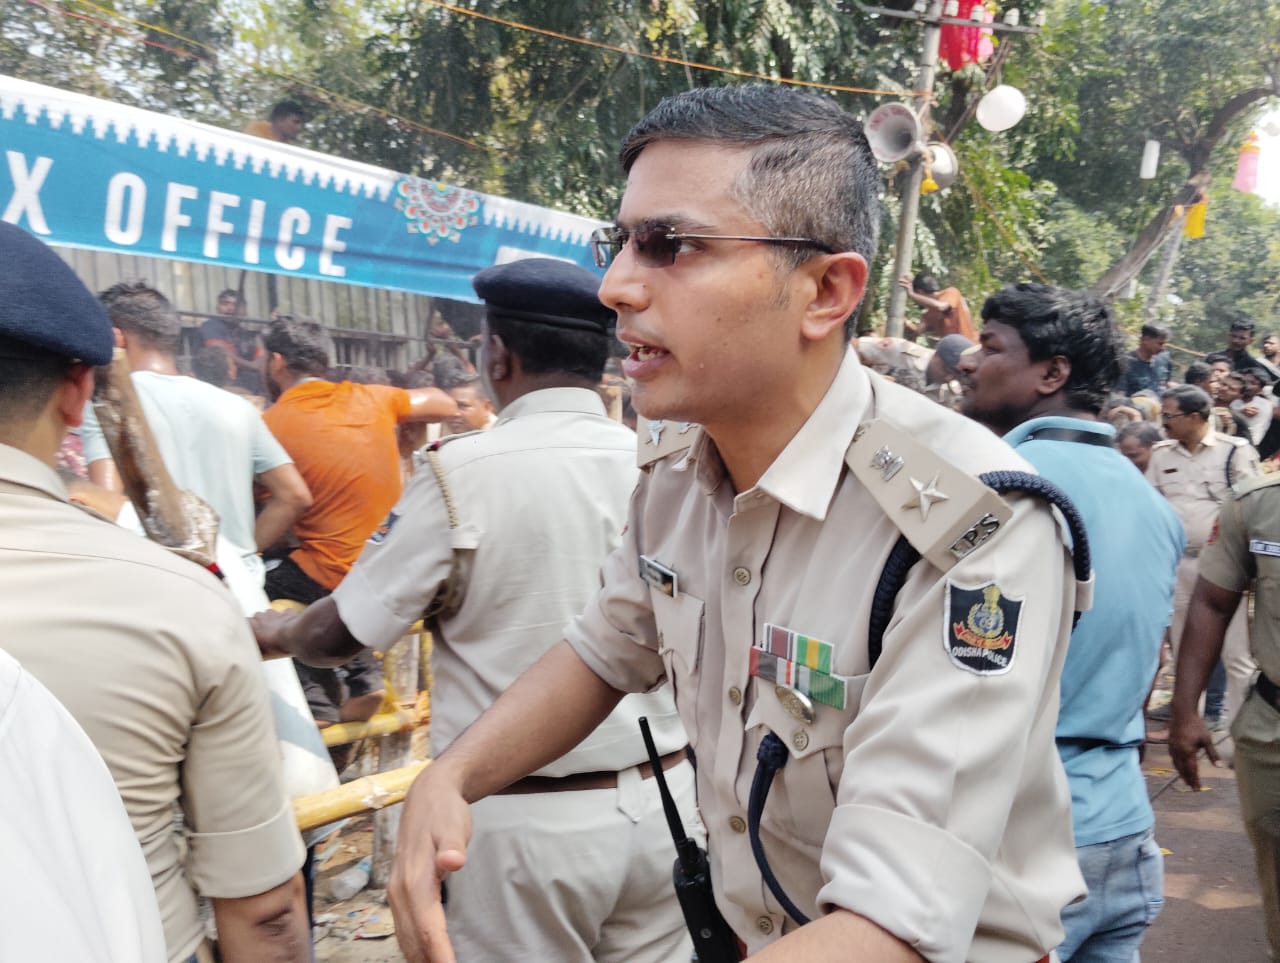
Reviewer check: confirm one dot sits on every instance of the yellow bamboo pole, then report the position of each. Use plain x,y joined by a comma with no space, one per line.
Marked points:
367,794
384,723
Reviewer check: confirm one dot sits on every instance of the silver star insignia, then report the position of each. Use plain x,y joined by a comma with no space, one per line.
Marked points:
926,495
684,426
655,433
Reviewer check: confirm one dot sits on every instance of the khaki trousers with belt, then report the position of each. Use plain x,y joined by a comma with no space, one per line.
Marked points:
574,876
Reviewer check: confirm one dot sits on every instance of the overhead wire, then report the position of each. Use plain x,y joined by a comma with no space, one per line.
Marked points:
662,58
324,93
353,103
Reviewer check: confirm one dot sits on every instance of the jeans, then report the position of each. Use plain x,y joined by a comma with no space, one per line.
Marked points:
1216,692
1126,892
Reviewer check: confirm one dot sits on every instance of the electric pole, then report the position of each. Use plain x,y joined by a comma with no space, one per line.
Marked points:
905,248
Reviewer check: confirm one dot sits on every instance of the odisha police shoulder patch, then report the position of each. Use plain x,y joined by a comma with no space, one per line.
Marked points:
382,531
981,629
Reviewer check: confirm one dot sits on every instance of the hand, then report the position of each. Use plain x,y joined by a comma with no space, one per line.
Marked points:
434,829
271,629
905,282
1187,736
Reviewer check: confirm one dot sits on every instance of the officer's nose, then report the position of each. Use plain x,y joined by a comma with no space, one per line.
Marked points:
625,287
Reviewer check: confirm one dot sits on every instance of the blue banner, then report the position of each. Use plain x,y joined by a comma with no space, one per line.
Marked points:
93,174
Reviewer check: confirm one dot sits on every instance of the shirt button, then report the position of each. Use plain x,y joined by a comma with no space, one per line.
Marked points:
735,696
742,576
737,824
800,740
764,925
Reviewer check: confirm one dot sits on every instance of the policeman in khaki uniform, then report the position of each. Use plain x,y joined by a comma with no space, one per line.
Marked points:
1244,549
572,863
1195,469
145,649
921,812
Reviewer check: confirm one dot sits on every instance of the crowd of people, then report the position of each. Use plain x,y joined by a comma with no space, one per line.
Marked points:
891,609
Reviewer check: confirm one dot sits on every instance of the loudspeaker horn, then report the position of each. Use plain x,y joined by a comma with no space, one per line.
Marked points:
893,131
942,164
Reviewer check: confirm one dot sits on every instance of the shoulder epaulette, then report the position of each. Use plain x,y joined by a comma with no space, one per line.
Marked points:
446,439
1265,480
658,439
944,512
1236,441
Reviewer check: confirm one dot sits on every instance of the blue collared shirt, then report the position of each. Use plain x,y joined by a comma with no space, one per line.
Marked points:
1135,540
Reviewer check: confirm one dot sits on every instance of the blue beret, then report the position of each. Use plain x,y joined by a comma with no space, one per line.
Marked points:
45,306
541,290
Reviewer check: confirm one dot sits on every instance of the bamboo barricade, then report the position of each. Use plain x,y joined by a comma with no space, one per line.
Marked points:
367,794
382,724
397,756
400,669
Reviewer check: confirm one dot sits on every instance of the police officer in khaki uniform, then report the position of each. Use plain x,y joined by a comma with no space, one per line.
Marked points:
1245,548
922,812
1195,469
145,649
571,863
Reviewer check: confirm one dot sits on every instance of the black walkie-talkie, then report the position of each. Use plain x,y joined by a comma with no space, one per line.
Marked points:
713,940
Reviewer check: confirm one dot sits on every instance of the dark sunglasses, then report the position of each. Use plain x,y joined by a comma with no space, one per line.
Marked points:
656,245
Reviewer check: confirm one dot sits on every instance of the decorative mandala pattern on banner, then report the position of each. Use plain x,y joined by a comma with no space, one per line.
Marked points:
438,211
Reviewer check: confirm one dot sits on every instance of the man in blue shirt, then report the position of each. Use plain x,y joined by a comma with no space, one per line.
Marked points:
1148,367
1046,362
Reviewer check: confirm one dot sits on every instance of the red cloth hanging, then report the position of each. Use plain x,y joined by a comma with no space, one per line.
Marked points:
958,45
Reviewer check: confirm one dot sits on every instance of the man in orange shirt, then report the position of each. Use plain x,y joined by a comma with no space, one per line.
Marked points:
288,121
342,437
945,310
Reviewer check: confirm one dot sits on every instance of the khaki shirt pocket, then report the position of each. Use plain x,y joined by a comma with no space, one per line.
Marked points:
803,794
679,623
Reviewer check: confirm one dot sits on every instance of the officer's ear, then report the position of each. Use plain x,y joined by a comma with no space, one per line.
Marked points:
74,391
1054,378
497,359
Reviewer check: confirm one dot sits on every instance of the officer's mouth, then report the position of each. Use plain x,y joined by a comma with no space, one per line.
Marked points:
643,359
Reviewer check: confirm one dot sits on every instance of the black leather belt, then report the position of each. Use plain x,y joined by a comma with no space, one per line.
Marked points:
581,781
1269,691
1070,434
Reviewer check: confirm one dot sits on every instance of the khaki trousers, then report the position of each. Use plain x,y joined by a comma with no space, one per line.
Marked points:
573,877
1256,733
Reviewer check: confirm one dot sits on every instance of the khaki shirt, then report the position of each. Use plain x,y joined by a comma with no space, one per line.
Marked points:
1246,547
882,355
934,803
156,664
542,499
1197,484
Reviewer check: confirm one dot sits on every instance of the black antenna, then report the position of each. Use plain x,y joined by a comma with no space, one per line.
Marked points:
713,940
686,849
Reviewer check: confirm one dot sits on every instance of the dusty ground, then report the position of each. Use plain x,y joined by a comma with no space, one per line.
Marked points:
360,929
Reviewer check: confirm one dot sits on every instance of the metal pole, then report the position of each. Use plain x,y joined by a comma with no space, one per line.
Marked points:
904,249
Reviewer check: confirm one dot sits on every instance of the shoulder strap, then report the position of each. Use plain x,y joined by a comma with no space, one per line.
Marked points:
942,510
448,599
904,555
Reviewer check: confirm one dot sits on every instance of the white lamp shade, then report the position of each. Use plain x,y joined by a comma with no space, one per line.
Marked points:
1150,160
1001,108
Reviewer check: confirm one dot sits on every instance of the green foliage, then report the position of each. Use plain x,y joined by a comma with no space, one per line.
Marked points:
539,118
1233,270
